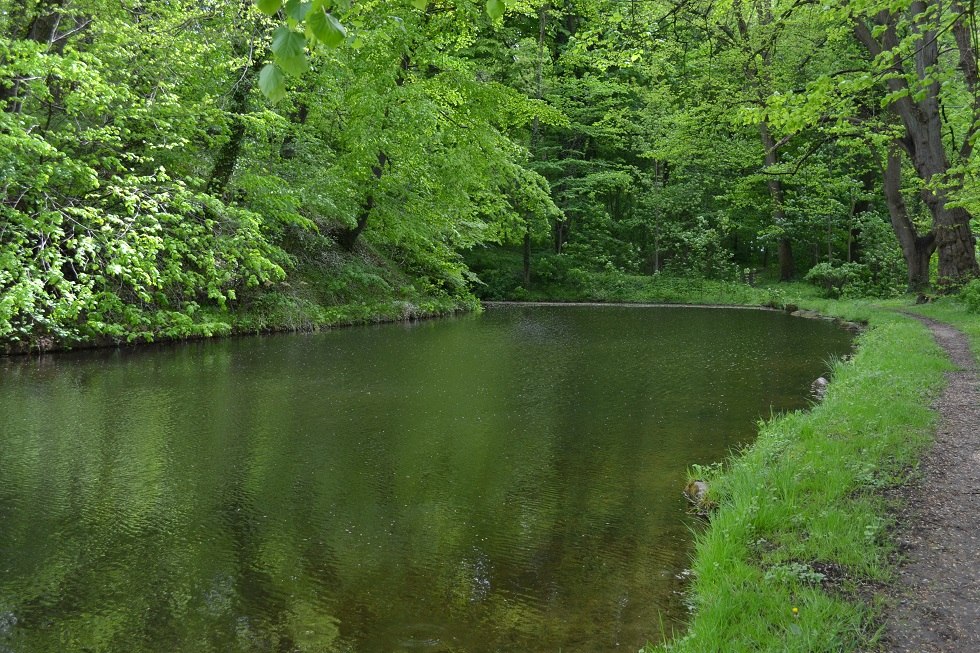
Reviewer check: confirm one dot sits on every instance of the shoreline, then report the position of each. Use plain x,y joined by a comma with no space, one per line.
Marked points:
801,554
106,342
10,351
770,573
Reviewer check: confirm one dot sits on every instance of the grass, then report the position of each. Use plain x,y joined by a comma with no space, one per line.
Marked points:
951,311
802,518
803,513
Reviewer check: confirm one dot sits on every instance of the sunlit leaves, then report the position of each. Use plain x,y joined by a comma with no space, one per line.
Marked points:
289,50
495,8
298,9
269,7
326,29
272,83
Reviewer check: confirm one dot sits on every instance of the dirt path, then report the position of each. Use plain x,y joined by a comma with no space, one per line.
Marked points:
936,597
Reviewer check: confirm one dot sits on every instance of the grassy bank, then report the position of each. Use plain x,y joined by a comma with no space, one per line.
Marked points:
802,518
793,556
953,312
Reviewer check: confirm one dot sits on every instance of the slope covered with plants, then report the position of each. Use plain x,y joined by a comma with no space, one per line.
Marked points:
192,168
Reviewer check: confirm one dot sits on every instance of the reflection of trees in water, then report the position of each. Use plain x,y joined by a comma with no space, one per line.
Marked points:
233,498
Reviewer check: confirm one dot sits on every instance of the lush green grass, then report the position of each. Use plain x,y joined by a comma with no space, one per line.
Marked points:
801,519
952,311
802,522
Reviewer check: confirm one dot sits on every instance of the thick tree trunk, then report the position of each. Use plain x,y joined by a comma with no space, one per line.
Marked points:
920,111
954,240
916,249
347,238
227,157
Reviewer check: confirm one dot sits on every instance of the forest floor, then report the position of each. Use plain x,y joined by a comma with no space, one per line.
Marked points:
935,600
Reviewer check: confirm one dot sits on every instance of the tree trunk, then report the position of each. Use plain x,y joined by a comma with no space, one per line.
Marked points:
921,114
954,240
227,157
787,266
916,249
347,238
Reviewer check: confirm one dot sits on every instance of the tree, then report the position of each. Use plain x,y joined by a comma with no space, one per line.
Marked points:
914,85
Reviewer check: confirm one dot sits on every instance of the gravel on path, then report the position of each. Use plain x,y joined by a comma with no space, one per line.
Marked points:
935,600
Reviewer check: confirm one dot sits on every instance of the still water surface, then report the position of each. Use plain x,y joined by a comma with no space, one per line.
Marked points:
507,482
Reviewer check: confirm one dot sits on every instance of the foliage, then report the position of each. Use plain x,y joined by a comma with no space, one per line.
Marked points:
151,190
165,199
835,278
970,296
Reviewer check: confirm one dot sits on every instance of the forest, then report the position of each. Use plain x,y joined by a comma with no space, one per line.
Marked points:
200,167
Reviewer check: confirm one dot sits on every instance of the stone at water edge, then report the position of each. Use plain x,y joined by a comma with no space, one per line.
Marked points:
819,387
697,492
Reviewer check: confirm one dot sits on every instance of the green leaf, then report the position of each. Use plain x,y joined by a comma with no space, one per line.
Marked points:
297,9
289,50
495,8
326,28
269,6
420,4
272,82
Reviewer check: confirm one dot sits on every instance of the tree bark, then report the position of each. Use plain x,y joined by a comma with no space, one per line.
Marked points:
227,156
347,238
916,249
920,111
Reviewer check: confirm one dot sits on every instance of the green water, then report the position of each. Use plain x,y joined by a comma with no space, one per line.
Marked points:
507,482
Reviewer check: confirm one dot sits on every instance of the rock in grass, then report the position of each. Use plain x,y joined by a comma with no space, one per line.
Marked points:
819,388
696,492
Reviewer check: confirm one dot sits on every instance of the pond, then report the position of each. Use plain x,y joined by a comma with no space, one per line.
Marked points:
504,482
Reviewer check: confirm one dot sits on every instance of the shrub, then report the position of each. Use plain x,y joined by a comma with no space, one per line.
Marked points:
970,295
833,279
